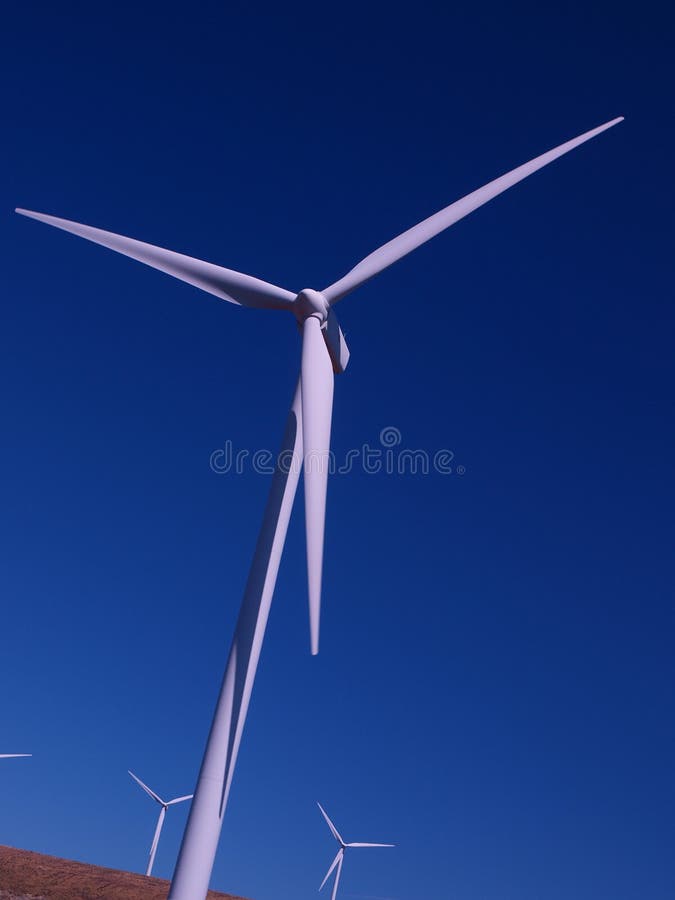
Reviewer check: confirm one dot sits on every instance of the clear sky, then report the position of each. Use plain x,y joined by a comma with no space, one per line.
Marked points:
495,687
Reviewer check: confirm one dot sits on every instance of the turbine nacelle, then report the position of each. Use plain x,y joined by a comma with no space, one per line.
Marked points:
313,304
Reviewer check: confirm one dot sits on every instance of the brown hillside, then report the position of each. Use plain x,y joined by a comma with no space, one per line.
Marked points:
25,875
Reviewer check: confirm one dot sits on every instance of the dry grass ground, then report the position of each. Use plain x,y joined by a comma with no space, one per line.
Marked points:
25,875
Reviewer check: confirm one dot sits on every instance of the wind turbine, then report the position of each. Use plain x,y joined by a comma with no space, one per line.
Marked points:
13,755
165,804
306,441
339,859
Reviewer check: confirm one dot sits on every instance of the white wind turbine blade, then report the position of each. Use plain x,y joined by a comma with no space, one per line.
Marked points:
370,845
200,839
412,238
13,755
317,409
155,840
337,859
337,877
180,799
146,788
245,290
332,827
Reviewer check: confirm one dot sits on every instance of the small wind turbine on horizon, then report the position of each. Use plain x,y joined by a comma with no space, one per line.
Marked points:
165,804
306,440
339,859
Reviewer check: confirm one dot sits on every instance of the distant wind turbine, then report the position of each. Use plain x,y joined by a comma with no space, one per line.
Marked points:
339,859
165,804
306,440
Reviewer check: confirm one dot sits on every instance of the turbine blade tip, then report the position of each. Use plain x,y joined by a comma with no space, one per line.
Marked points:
29,213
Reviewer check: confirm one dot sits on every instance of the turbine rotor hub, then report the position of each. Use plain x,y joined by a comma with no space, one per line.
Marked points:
311,303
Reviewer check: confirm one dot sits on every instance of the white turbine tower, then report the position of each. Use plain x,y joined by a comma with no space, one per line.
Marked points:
165,804
306,439
339,859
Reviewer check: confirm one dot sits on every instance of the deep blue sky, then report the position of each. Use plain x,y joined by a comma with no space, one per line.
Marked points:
495,687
